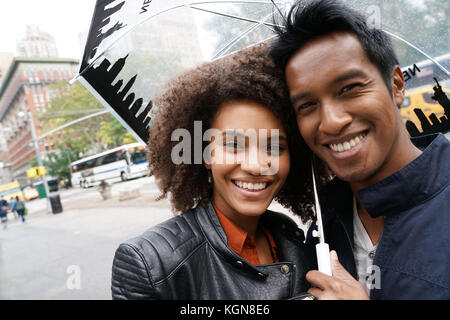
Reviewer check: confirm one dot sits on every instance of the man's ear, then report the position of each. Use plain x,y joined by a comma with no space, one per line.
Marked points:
398,86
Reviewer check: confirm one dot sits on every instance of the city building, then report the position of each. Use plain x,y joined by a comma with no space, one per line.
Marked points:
5,61
26,89
36,43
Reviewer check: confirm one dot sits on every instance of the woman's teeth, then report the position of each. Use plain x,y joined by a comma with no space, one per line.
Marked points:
251,186
347,145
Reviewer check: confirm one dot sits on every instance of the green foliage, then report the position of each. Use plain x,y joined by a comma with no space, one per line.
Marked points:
89,136
33,162
57,163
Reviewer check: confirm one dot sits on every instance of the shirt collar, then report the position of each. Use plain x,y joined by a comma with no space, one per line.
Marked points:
235,236
414,183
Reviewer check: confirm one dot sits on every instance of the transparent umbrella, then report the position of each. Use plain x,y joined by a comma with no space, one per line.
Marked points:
419,30
135,46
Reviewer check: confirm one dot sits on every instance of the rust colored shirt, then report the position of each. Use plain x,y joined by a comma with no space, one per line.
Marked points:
243,244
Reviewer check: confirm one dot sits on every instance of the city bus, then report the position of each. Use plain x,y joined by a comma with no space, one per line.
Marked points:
119,164
419,88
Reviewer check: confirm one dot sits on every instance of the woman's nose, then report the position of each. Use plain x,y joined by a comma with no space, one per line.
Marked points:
256,161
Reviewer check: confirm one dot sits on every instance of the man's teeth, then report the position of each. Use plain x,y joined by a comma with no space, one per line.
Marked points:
347,145
251,186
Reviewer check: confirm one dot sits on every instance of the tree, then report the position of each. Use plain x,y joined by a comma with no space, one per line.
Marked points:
89,136
58,163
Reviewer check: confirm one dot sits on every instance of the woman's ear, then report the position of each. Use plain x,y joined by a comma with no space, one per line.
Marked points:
398,86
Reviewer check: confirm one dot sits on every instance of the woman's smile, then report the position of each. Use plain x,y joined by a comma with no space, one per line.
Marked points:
252,189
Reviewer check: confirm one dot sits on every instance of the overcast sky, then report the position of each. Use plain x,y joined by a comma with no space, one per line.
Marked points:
64,19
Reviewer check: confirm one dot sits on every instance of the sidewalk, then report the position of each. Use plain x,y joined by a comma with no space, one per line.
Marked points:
69,255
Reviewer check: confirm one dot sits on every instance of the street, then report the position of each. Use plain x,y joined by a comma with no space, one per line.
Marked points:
37,258
69,255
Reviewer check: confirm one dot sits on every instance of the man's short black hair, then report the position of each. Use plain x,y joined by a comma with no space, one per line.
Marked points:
318,18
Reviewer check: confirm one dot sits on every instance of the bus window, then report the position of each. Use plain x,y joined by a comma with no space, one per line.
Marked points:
138,156
109,158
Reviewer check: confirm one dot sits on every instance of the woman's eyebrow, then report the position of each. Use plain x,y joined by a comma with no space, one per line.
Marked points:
233,133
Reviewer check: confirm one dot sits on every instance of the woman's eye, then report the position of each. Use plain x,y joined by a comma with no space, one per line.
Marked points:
278,148
232,145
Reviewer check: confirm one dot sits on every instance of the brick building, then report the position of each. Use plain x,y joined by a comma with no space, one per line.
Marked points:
25,88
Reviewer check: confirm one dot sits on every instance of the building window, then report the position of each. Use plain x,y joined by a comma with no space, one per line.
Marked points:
30,76
36,77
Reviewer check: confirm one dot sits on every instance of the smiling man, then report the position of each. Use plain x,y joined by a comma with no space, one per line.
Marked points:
387,212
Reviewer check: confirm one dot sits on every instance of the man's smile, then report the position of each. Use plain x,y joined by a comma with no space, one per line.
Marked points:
346,143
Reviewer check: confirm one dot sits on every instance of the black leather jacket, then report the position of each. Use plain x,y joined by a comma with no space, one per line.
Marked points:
187,257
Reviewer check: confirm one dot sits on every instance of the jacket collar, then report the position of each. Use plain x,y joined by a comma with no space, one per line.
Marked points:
414,183
281,227
215,235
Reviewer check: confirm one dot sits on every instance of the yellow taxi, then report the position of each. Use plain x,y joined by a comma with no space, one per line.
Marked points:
421,98
30,193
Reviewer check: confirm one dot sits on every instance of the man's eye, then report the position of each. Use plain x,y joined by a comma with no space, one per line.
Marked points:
349,87
305,106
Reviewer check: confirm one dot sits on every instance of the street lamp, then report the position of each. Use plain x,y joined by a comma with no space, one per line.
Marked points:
29,116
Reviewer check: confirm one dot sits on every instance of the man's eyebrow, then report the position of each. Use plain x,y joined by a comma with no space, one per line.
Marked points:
343,77
348,75
298,97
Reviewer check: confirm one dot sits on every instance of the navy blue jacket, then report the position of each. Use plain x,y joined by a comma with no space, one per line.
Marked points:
413,253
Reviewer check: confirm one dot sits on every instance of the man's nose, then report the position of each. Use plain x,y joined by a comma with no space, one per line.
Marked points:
333,118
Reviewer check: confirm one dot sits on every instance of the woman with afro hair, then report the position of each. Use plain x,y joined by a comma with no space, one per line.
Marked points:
224,244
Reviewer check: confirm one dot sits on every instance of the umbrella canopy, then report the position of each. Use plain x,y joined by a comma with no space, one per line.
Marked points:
136,46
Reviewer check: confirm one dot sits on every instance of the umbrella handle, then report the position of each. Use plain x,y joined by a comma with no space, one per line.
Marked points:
323,258
322,248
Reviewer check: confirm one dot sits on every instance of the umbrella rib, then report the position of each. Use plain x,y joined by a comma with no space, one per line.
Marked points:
236,17
166,10
278,8
239,37
241,1
418,49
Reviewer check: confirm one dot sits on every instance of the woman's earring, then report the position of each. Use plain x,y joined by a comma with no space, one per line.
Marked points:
209,177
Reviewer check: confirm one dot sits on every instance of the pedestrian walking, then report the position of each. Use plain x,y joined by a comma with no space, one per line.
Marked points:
19,206
11,204
4,212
